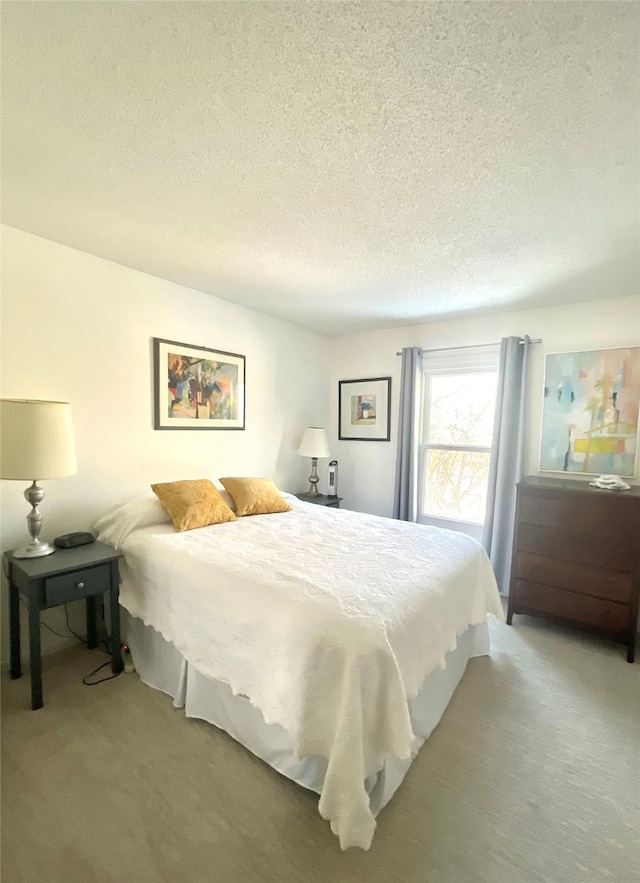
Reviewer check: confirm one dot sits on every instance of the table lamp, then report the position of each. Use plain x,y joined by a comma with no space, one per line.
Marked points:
314,444
36,439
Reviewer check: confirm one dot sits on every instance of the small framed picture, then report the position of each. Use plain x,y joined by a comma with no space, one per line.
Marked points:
364,407
196,387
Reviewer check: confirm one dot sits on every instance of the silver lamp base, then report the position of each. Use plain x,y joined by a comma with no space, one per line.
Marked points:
35,549
313,479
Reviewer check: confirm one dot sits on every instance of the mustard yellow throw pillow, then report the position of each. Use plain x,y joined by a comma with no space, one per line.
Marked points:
193,504
255,496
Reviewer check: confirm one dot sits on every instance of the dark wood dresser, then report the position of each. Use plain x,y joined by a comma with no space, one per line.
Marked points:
576,556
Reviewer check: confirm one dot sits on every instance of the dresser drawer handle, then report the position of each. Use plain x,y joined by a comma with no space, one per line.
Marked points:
80,585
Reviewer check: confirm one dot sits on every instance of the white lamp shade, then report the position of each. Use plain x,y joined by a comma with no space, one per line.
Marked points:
314,443
36,440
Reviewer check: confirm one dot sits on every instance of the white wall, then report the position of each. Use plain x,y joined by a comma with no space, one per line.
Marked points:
79,328
367,469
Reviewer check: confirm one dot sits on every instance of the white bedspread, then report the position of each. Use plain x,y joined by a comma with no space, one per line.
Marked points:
327,620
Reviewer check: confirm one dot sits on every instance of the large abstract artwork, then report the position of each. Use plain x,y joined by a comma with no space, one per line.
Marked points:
590,412
196,387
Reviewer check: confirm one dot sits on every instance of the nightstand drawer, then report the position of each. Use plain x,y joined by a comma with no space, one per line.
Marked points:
77,584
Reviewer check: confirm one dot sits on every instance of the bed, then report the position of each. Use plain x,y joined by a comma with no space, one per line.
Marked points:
328,642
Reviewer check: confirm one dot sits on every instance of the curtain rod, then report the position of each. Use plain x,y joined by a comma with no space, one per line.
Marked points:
472,346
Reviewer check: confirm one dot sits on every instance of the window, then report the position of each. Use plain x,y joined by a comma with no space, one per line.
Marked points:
459,400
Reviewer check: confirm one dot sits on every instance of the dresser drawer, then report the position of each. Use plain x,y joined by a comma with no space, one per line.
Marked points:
607,615
610,585
617,553
579,513
77,584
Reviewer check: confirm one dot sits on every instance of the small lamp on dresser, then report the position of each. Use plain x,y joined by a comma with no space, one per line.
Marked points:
314,444
37,443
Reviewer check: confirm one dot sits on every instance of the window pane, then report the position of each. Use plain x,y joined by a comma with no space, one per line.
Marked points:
455,485
462,408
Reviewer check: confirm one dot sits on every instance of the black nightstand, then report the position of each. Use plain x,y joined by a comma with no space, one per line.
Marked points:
67,575
321,500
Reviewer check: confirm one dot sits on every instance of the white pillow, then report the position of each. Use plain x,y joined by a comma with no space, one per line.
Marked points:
116,525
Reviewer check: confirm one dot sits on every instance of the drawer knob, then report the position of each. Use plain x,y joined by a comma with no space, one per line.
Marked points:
80,585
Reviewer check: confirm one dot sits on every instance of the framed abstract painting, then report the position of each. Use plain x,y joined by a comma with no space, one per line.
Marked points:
364,407
590,412
196,387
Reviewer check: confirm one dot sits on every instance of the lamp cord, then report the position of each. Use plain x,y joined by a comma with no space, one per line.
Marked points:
87,683
102,644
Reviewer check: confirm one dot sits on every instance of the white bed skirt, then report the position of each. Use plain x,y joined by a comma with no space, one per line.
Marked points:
161,666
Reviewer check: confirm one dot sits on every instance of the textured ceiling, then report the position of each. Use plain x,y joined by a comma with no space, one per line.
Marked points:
343,166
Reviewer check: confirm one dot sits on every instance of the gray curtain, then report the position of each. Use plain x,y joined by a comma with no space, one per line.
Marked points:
405,500
505,470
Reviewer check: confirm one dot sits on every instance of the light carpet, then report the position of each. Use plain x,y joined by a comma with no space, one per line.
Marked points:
532,776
